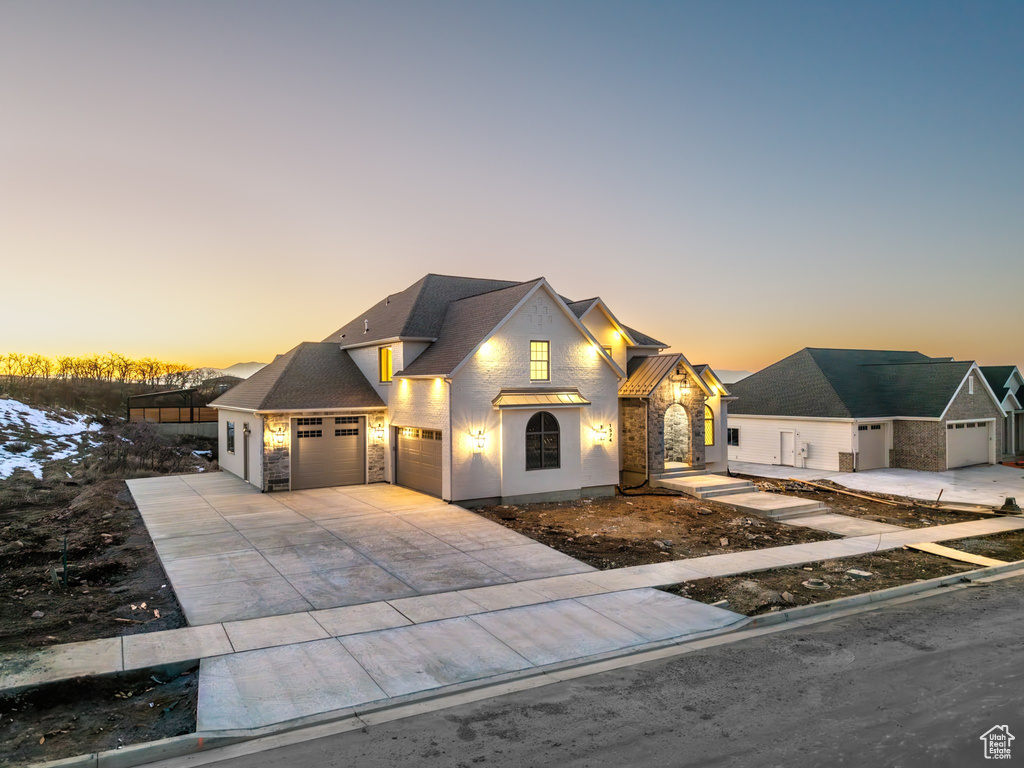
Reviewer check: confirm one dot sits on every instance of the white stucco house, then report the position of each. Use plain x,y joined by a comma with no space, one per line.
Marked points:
856,409
475,391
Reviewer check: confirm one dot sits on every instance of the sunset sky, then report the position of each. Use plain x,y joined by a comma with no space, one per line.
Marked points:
215,182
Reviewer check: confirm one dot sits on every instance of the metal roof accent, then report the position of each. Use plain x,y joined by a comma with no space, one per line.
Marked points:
646,373
533,398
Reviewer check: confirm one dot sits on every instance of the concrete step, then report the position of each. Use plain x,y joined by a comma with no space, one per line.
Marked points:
774,505
705,486
670,473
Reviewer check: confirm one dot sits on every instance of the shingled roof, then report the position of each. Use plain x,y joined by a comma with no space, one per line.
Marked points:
580,308
417,312
997,376
467,322
312,375
851,383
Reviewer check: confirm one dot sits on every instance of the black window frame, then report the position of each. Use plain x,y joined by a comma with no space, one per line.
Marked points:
732,436
544,431
230,442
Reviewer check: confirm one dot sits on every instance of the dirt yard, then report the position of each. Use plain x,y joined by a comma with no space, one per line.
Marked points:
766,591
1002,546
916,515
622,531
95,714
115,586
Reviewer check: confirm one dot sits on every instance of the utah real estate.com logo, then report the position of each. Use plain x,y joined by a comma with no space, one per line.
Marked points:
997,742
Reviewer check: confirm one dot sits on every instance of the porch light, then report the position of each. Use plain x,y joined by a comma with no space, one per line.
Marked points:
279,436
479,440
683,389
378,431
602,434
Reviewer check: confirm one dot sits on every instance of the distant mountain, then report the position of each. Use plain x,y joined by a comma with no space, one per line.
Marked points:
241,370
731,377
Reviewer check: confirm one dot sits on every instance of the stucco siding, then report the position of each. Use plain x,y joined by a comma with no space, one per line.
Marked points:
760,440
715,456
499,469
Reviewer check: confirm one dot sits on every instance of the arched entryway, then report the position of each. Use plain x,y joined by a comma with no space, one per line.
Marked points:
677,437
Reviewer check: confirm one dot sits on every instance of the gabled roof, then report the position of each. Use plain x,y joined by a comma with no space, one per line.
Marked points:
417,312
646,372
851,383
998,377
313,375
465,325
643,340
636,338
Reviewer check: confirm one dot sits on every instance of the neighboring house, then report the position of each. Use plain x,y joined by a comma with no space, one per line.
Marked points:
852,409
1008,384
474,391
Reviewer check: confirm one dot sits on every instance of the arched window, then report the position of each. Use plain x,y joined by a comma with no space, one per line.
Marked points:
709,426
542,451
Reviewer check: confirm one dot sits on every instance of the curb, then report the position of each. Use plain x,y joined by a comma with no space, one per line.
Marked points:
203,742
854,601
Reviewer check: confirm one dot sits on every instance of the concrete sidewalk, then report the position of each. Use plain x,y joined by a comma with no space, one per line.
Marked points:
110,655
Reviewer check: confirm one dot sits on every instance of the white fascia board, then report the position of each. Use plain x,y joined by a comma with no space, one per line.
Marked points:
794,418
971,421
390,340
599,303
232,408
709,371
974,369
542,283
1011,398
287,411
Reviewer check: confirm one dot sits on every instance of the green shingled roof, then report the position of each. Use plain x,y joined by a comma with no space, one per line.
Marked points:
851,383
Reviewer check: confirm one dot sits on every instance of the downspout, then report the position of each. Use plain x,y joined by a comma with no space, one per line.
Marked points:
451,447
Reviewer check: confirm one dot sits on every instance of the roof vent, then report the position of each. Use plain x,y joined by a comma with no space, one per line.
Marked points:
366,326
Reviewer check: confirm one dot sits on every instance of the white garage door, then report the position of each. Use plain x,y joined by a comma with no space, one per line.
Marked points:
328,451
871,446
419,459
967,444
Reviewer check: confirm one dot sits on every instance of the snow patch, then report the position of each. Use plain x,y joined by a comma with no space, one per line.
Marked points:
58,435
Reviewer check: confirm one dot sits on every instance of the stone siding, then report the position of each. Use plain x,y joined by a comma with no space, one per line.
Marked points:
277,459
633,435
846,461
658,403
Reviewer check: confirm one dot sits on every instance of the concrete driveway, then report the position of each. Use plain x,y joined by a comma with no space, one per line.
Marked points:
985,485
234,553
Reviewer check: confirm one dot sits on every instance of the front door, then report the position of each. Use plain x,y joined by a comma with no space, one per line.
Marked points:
787,453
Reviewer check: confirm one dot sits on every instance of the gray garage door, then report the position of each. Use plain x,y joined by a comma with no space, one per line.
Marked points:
419,459
328,450
967,444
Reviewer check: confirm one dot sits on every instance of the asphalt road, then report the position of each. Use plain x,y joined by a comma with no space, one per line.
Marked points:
914,684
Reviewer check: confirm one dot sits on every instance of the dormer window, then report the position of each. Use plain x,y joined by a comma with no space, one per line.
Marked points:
540,359
386,370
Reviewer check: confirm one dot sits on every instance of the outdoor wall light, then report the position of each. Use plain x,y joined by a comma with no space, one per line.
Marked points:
683,389
279,436
479,440
378,431
602,434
